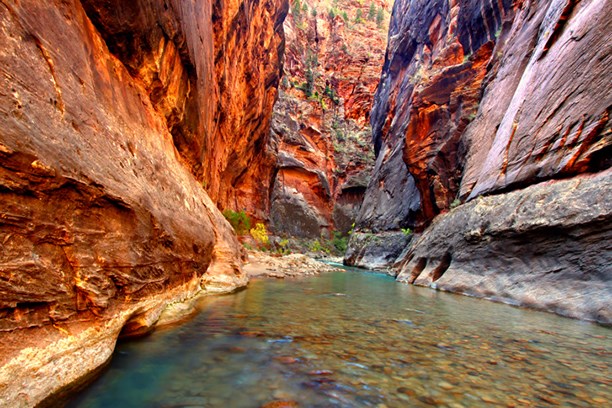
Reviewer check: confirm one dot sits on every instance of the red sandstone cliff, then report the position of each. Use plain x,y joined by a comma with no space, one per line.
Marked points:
320,131
531,76
115,116
496,98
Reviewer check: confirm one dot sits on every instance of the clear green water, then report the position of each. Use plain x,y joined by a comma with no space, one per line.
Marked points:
359,340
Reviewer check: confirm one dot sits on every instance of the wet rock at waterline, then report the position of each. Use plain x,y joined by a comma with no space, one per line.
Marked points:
547,246
260,264
377,251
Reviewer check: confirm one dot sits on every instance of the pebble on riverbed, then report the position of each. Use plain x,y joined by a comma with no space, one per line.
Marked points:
280,404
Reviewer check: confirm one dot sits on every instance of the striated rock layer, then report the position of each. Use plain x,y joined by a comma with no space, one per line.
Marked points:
109,116
546,246
319,126
487,98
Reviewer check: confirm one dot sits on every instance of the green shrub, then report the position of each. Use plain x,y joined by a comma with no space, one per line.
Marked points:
283,247
406,231
455,203
359,16
239,220
340,242
315,246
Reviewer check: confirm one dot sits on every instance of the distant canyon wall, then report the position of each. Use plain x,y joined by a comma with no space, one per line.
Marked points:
482,98
320,129
116,118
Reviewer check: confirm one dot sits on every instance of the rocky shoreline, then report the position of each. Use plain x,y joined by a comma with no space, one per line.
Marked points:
40,366
263,265
544,247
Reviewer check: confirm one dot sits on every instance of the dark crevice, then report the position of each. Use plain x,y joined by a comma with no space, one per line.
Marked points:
442,267
418,268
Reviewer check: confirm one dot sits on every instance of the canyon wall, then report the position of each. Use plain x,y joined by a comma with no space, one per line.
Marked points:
320,131
503,99
115,118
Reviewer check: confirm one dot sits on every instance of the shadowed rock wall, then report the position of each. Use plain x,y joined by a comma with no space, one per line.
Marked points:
487,98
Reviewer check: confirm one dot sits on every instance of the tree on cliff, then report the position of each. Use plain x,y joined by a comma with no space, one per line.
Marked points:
359,16
380,16
372,12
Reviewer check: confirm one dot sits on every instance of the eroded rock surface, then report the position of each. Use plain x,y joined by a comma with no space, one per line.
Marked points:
108,112
547,246
319,127
487,98
377,251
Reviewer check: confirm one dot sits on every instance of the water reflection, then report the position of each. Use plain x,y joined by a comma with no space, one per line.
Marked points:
359,339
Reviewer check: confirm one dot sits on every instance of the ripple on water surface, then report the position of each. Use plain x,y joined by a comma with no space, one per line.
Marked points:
359,340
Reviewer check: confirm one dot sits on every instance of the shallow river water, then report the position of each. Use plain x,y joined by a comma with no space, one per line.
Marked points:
359,339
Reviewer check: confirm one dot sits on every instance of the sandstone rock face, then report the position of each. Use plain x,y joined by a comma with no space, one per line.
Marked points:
109,112
487,98
319,128
377,251
429,91
546,246
249,47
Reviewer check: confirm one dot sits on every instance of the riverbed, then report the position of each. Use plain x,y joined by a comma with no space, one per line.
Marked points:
356,339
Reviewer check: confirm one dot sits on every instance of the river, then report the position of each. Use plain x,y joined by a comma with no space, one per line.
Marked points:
358,339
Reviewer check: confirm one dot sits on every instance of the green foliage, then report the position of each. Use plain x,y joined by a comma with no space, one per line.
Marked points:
345,17
305,7
312,61
313,12
331,94
239,220
406,231
372,12
296,9
456,203
309,84
333,12
315,246
340,242
283,247
260,234
358,16
380,16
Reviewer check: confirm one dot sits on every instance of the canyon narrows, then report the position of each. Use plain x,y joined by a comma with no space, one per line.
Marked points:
462,145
